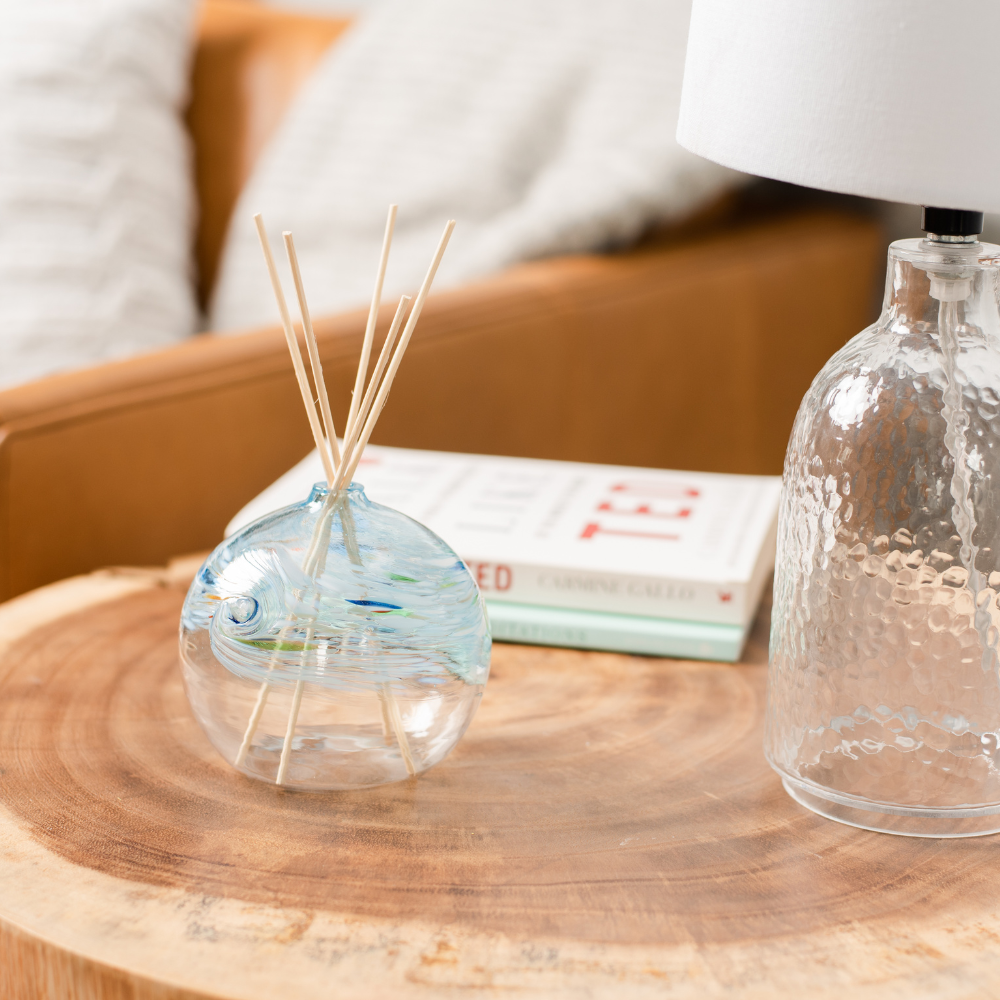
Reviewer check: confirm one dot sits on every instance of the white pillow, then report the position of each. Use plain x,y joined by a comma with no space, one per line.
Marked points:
542,126
95,189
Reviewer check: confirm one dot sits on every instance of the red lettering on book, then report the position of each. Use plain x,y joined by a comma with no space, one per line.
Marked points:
500,576
643,508
593,528
725,596
665,490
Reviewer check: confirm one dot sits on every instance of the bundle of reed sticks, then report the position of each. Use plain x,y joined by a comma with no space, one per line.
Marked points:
367,403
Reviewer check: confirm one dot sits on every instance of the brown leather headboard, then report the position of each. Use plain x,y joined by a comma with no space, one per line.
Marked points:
249,61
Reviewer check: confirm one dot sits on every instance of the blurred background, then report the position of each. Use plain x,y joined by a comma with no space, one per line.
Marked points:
607,297
899,221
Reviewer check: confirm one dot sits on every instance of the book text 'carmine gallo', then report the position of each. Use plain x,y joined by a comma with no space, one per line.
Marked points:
499,577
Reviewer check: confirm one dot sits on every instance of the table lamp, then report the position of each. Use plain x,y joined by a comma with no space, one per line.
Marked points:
883,703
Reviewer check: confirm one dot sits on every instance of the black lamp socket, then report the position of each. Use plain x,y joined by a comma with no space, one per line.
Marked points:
950,221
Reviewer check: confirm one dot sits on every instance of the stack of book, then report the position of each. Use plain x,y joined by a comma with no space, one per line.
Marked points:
592,556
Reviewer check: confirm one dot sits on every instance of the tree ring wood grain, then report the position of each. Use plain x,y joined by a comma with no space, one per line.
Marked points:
608,824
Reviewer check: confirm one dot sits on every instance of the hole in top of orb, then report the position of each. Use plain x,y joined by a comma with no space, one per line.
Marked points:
241,609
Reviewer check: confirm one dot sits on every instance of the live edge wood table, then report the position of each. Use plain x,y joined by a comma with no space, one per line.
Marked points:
608,827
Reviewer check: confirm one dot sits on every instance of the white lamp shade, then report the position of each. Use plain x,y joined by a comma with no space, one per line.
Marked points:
892,99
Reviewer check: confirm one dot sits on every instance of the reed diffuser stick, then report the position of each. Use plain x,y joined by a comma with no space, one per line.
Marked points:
293,349
258,710
312,568
293,718
390,710
351,437
325,445
347,469
317,366
366,346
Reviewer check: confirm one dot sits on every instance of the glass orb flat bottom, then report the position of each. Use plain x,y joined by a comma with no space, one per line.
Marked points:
903,821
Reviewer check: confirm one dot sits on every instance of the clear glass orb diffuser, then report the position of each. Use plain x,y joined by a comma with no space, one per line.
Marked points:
883,687
334,644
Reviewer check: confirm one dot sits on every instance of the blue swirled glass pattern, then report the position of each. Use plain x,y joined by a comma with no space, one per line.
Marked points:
337,634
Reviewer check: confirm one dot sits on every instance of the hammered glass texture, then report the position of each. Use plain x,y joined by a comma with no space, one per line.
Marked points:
883,683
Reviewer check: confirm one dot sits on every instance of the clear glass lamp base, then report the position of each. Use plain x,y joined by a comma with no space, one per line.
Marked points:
883,695
904,821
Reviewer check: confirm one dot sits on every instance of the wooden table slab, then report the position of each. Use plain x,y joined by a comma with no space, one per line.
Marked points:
607,828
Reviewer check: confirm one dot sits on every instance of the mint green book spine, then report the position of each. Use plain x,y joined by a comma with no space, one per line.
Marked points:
546,626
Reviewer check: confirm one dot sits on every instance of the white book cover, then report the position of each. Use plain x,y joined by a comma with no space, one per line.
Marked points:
695,546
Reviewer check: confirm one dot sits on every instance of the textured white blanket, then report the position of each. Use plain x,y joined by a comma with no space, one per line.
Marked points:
542,126
95,182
